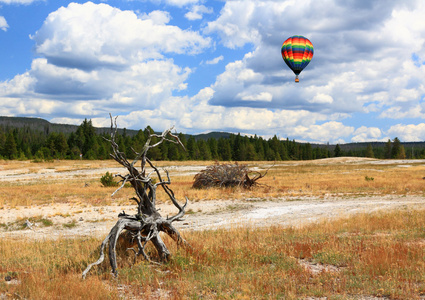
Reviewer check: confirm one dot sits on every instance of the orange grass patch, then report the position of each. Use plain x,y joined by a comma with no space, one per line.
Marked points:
305,178
380,254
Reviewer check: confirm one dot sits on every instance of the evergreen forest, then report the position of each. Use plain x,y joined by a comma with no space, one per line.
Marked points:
86,142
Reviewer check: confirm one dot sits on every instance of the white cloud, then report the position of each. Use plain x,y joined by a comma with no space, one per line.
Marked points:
408,133
263,96
97,35
365,134
215,61
197,11
181,3
94,59
3,24
157,17
328,132
357,66
19,85
234,25
397,112
322,98
98,59
73,121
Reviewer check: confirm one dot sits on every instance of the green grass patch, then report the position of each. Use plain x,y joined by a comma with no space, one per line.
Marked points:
71,224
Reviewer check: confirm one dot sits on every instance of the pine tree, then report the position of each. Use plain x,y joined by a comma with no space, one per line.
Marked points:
192,148
213,145
204,150
224,149
250,152
259,148
237,147
337,151
308,152
173,151
369,151
387,151
183,154
9,150
402,153
396,149
2,141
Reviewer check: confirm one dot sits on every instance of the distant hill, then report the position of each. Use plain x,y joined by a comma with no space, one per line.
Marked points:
36,124
47,127
213,134
363,145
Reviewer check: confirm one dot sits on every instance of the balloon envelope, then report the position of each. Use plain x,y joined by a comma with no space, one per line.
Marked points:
297,52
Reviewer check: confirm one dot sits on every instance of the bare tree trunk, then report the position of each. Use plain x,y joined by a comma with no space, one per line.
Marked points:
146,225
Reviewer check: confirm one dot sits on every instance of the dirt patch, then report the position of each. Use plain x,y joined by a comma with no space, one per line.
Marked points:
316,268
69,220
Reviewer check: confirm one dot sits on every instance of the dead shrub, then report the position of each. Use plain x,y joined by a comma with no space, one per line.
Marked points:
226,175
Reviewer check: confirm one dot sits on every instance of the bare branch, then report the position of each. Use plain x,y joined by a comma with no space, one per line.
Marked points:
146,225
227,175
124,181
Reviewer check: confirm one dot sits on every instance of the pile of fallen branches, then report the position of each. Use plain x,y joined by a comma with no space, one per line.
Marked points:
226,175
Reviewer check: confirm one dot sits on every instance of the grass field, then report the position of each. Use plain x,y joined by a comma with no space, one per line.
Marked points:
312,178
367,255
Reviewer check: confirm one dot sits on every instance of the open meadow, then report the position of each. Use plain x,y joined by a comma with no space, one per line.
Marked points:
342,228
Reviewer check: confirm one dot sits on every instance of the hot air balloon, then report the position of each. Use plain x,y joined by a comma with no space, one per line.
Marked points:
297,52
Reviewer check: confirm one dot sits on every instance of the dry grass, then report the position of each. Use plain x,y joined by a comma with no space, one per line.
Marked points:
366,255
371,255
315,179
307,178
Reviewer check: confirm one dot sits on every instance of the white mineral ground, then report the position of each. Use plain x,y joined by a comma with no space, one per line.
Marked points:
202,215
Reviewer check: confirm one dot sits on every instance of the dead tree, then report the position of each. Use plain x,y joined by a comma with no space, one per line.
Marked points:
146,225
226,175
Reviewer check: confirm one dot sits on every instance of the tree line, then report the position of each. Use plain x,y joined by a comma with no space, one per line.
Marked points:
26,143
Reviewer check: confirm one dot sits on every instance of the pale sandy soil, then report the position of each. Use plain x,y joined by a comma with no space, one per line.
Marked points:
201,215
97,221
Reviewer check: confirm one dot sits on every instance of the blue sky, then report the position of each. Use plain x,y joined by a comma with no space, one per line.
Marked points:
216,66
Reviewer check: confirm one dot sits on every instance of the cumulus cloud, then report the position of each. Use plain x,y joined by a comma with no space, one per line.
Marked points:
197,11
410,132
330,131
93,59
92,36
358,66
397,112
96,59
235,29
366,134
3,24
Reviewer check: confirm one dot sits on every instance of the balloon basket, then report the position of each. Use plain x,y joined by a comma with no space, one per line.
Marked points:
297,80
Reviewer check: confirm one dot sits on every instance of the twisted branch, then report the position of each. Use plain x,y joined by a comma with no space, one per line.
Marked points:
146,225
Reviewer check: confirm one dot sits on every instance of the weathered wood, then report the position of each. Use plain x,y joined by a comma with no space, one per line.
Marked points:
146,225
227,175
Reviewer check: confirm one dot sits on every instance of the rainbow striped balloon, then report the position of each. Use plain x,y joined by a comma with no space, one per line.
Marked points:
297,52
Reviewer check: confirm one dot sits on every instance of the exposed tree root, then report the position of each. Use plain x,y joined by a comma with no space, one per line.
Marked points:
146,225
